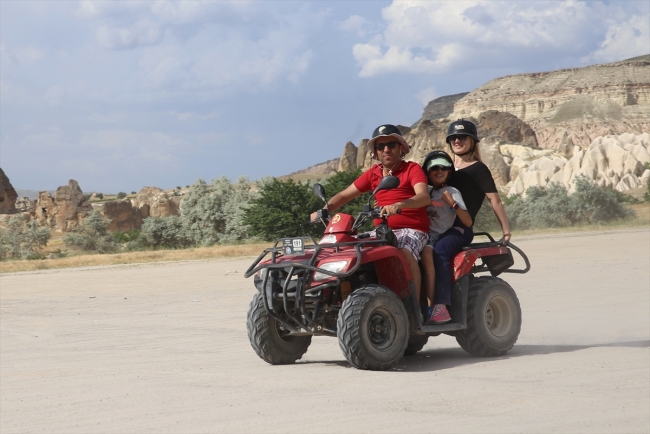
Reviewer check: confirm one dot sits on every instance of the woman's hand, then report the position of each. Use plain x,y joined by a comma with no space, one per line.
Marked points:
449,200
505,238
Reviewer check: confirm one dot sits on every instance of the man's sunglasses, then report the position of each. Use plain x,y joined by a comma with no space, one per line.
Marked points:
459,138
381,146
436,168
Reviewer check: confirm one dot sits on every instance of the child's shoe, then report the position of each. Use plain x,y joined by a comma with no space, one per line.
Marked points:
439,315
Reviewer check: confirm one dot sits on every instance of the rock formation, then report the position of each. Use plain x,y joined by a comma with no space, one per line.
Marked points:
611,161
8,195
123,215
65,211
570,107
330,166
24,204
154,202
440,108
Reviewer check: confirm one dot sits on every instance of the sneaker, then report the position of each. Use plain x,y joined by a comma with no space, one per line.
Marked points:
427,314
439,315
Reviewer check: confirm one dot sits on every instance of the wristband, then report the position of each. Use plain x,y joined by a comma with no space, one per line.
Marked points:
455,206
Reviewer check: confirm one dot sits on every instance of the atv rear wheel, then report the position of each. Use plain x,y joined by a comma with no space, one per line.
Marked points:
373,328
415,344
269,341
493,318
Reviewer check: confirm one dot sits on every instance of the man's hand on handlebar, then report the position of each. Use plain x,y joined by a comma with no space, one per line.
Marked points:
389,210
319,215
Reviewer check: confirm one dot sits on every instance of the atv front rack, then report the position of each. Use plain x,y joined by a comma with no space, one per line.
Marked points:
306,324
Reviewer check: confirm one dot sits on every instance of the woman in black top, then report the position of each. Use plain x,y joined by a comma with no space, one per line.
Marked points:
474,181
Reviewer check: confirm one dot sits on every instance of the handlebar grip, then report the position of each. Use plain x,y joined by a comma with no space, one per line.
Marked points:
399,211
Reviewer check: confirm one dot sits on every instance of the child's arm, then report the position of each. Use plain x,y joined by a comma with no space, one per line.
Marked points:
462,214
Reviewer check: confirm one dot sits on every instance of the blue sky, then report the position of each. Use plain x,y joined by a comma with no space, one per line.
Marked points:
123,94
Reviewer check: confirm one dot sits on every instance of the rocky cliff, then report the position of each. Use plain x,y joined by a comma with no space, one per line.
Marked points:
546,127
570,106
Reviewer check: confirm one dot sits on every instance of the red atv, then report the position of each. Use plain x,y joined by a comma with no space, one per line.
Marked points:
359,288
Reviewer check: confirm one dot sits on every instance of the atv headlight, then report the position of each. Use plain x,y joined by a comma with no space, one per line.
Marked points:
334,267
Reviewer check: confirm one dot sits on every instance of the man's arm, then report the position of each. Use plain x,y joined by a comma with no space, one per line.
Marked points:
421,199
339,200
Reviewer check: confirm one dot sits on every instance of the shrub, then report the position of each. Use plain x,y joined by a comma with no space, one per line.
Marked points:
163,232
133,192
21,239
92,235
554,207
125,237
99,196
121,195
212,213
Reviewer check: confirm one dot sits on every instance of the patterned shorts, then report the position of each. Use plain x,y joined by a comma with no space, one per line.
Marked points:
410,239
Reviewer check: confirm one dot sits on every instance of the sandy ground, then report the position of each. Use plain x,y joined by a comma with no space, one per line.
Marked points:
163,348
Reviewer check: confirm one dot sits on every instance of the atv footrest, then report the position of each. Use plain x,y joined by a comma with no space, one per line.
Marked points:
437,328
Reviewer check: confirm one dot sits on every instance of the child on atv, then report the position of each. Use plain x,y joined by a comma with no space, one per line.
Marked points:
445,207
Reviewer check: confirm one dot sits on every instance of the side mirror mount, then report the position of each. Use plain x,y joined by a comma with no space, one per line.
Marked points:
387,183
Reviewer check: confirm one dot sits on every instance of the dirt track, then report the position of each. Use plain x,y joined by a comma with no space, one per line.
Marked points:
163,348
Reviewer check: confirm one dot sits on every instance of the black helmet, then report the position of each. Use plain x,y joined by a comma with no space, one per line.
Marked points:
437,155
462,128
388,130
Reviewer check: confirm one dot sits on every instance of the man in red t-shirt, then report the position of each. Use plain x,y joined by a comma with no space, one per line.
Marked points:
411,227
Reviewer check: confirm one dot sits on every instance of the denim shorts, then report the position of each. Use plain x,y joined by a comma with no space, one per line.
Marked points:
433,238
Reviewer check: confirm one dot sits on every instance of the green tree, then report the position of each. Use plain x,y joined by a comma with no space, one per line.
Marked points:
282,210
339,182
121,195
92,235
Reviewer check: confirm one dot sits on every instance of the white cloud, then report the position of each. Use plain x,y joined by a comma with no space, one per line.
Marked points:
113,118
434,36
426,95
624,40
354,23
213,47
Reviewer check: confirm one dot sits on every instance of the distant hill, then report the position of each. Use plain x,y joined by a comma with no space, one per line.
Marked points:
31,194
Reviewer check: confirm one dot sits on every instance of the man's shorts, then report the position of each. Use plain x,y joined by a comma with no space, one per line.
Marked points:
410,239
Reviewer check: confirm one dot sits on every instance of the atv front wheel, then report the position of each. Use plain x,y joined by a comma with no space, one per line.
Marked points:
373,328
493,318
269,340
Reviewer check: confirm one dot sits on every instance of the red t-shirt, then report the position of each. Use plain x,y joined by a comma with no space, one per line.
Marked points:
409,174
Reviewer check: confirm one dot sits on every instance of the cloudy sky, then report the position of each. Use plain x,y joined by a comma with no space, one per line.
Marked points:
123,94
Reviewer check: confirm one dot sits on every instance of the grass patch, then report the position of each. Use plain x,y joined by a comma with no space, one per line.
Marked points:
199,253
